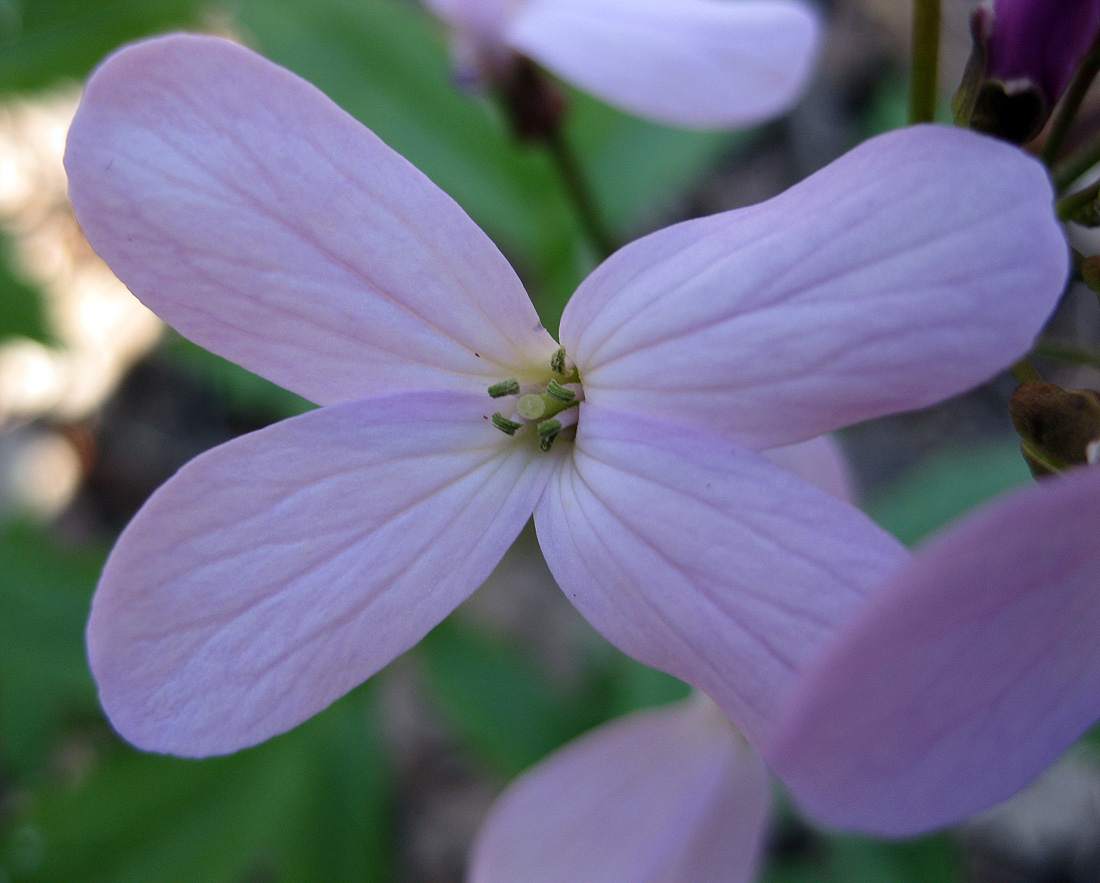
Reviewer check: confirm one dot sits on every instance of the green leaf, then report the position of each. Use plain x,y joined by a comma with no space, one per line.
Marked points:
309,805
501,703
42,41
45,590
240,390
947,486
831,859
498,701
21,310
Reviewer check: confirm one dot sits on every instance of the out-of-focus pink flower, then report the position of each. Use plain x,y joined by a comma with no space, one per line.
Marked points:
274,573
966,676
667,794
692,63
971,669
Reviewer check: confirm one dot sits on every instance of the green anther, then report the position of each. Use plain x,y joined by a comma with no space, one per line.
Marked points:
549,427
546,442
504,388
557,361
555,389
508,427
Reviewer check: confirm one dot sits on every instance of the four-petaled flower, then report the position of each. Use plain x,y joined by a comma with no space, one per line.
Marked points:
276,572
692,63
971,669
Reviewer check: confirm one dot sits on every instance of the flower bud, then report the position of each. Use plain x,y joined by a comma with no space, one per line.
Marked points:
1059,428
1024,56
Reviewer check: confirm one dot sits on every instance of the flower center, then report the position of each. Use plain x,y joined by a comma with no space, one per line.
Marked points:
548,408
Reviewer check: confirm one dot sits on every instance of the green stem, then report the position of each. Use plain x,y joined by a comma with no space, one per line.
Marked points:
581,193
926,61
1068,206
1024,372
1075,166
1053,349
1071,102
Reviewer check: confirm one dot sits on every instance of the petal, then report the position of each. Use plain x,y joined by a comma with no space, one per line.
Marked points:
975,669
260,220
703,559
662,796
692,63
820,462
480,21
909,270
276,572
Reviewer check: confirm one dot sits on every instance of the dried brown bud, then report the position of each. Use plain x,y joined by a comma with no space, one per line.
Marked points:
1059,428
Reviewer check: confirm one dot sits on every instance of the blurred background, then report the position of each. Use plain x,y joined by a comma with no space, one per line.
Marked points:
99,404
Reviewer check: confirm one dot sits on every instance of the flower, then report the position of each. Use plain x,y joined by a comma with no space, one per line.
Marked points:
1025,55
1034,44
969,671
669,793
691,63
274,573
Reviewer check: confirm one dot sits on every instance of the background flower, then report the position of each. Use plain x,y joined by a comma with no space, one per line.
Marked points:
693,63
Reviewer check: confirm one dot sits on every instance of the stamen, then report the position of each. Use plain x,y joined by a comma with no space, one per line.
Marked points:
549,427
557,361
508,427
558,391
505,388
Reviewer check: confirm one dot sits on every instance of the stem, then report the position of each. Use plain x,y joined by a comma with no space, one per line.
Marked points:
1076,165
1071,102
1068,206
1023,371
926,61
581,193
1053,349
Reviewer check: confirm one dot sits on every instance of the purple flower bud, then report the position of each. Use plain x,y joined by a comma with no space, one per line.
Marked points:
1039,43
1025,54
1059,428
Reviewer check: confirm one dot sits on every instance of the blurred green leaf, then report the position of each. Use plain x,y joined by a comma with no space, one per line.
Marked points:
496,698
42,41
44,595
830,859
240,390
948,485
21,311
511,714
310,805
927,860
636,166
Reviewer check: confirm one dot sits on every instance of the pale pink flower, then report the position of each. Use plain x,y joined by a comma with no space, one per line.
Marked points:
276,572
666,794
969,671
692,63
